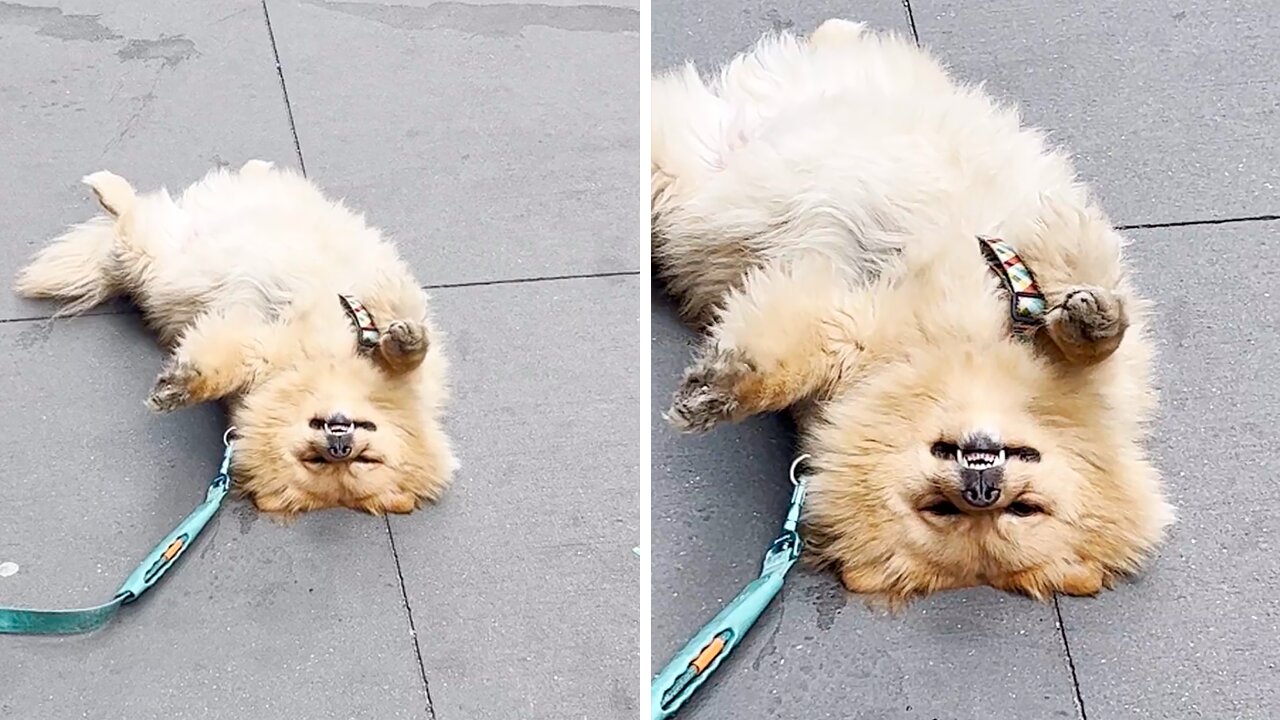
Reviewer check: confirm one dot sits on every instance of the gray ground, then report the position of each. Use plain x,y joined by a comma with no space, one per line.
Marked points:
499,144
1172,113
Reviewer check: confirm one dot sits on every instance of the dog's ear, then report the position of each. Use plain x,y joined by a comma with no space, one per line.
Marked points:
114,193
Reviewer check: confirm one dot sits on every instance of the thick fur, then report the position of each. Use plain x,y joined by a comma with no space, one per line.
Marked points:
240,278
815,209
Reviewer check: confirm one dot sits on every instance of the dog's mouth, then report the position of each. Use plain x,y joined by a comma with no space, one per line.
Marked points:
982,458
324,458
335,441
942,508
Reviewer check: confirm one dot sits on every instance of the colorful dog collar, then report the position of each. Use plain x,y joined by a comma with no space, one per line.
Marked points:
1027,304
367,333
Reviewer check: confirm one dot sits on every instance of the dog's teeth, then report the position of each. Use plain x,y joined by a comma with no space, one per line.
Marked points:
979,460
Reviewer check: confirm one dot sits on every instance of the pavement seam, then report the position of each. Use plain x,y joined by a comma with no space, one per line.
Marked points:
521,281
284,88
1193,223
413,630
1071,663
911,20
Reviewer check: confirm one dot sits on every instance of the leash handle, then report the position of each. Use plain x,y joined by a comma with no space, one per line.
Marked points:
699,658
690,668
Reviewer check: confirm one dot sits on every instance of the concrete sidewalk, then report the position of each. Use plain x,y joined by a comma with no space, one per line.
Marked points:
1172,116
498,144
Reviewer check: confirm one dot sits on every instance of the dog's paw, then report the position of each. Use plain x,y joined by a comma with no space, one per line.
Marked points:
172,390
114,193
707,393
1089,324
403,346
257,167
405,339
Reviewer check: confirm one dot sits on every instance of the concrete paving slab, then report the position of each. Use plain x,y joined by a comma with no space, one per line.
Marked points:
496,141
157,92
1169,109
1195,636
523,583
259,620
719,499
709,33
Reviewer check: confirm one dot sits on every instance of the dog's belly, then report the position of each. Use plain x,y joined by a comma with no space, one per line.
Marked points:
264,243
853,167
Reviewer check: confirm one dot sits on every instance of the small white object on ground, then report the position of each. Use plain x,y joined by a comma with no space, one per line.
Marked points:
8,568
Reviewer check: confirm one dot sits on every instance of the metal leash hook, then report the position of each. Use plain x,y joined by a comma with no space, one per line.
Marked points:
695,662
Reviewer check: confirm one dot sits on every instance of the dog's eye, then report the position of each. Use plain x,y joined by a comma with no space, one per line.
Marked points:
1022,508
366,425
1025,454
944,450
366,460
316,424
942,507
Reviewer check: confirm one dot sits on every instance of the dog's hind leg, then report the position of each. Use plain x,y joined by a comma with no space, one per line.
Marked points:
219,355
79,267
778,341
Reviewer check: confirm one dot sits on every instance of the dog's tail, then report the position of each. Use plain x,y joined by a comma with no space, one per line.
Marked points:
78,268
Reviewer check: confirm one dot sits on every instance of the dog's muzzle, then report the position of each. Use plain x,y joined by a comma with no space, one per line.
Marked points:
339,436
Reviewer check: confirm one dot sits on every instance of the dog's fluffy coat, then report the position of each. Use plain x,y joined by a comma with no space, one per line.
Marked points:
240,278
815,211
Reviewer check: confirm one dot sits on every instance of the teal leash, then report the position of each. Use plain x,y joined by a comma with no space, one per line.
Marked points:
690,668
25,621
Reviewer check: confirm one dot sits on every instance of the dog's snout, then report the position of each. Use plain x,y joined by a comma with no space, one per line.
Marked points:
339,432
981,488
339,447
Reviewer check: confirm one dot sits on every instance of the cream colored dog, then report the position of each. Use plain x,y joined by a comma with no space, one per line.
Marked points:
816,210
241,278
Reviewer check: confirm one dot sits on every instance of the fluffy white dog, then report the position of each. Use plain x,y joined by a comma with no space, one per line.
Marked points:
894,257
288,306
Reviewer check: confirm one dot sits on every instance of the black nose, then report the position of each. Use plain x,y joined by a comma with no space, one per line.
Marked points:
981,487
339,446
338,431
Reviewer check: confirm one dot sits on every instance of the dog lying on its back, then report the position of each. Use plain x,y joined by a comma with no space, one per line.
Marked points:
817,210
257,285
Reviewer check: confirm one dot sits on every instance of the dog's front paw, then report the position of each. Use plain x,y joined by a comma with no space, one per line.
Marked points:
173,388
1089,324
405,338
708,392
404,345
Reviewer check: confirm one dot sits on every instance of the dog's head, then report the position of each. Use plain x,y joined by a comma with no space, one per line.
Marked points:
337,432
960,457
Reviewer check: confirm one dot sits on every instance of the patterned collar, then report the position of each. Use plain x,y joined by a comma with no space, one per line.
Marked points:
367,333
1027,304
